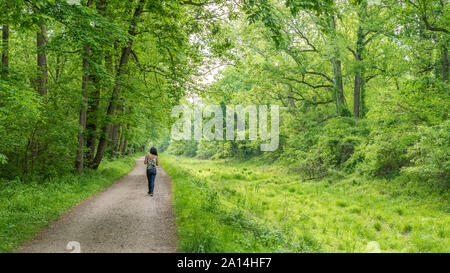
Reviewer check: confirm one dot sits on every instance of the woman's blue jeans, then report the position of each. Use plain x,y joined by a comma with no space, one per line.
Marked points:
151,174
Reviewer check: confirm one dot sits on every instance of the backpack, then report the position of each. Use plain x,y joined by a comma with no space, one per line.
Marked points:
151,163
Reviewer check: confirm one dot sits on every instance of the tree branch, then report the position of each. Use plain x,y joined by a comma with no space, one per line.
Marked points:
370,77
370,39
192,3
353,52
319,74
308,84
430,27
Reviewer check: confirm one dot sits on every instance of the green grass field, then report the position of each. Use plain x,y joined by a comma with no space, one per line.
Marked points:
27,206
251,207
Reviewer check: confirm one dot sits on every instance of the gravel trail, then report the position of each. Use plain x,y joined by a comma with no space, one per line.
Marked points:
122,218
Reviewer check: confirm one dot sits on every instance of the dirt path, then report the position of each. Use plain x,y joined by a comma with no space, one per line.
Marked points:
123,218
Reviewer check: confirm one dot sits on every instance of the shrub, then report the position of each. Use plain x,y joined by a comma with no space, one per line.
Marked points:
185,148
330,146
207,149
387,152
430,155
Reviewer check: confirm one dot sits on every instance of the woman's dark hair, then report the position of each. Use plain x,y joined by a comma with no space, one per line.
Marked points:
153,151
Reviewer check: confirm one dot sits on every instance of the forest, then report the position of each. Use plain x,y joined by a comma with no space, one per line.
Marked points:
87,86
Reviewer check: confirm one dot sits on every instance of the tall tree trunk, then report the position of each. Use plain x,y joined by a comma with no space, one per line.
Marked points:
444,63
42,71
93,100
106,129
115,131
92,110
79,161
338,81
125,55
359,107
122,139
358,75
5,51
292,101
5,56
337,72
123,150
114,139
357,96
40,85
91,120
80,157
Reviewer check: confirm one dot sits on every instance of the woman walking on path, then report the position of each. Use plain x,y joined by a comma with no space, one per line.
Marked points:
151,160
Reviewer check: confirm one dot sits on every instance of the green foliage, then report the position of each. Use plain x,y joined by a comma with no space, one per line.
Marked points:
430,155
249,206
288,57
208,149
186,148
319,147
205,223
387,153
122,68
3,159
